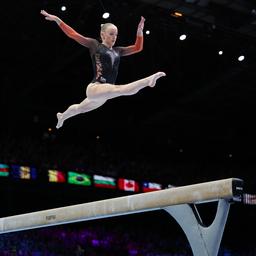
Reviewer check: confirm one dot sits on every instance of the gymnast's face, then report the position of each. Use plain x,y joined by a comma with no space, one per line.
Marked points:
109,35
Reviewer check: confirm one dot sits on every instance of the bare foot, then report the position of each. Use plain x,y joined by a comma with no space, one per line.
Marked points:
60,121
153,78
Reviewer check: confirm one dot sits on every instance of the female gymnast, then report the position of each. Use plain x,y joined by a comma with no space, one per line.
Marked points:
105,59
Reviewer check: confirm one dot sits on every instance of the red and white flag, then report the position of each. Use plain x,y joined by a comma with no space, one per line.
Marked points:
150,186
128,185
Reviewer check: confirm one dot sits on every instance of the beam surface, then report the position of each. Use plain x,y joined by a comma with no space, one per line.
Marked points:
196,193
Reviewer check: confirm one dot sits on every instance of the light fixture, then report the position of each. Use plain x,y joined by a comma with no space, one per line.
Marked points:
63,8
241,58
176,14
182,37
105,15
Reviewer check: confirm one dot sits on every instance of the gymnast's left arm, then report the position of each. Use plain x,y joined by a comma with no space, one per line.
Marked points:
138,46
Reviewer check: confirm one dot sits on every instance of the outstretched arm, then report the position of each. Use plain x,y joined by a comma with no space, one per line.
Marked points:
51,17
70,32
138,46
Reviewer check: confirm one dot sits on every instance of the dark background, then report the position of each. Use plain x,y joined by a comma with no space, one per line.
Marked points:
197,124
204,106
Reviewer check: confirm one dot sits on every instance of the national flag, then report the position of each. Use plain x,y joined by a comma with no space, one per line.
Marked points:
4,170
56,176
79,178
150,186
128,185
23,172
104,182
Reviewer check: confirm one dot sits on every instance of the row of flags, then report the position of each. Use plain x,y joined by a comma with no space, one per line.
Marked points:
17,171
98,181
78,178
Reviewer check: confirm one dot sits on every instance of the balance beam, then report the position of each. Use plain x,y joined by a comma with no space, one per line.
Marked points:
197,193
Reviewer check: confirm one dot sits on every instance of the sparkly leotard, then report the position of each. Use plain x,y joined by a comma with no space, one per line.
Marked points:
105,60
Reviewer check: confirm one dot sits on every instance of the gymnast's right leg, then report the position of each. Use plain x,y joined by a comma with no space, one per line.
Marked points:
75,109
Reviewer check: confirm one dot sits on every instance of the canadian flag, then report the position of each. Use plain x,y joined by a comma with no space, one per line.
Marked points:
128,185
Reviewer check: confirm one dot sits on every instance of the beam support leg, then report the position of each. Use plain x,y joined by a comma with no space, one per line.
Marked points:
204,241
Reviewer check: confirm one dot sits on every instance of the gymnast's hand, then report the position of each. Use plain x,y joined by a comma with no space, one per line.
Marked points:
50,16
141,26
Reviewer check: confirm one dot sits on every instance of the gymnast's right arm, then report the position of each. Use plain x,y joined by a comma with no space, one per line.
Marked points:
70,32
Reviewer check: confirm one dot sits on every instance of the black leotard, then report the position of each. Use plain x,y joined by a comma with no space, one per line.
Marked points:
105,60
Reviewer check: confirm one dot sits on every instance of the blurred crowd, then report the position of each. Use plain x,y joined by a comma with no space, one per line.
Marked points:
97,240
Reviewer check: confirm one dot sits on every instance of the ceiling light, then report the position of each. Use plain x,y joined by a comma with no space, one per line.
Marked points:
183,37
105,15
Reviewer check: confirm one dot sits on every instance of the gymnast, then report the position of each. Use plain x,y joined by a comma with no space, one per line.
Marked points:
105,60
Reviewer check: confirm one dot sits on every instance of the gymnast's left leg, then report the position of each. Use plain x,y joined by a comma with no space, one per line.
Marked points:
109,91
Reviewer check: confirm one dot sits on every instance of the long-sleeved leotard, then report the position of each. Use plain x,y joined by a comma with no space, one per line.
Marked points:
105,60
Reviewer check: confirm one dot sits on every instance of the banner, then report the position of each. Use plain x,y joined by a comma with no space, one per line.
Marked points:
23,172
79,179
4,170
56,176
104,182
128,185
150,186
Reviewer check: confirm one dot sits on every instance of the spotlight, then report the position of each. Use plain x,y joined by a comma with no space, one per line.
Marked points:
176,14
183,37
63,8
105,15
241,58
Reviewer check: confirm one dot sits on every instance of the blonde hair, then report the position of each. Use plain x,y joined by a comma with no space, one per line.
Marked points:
104,26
